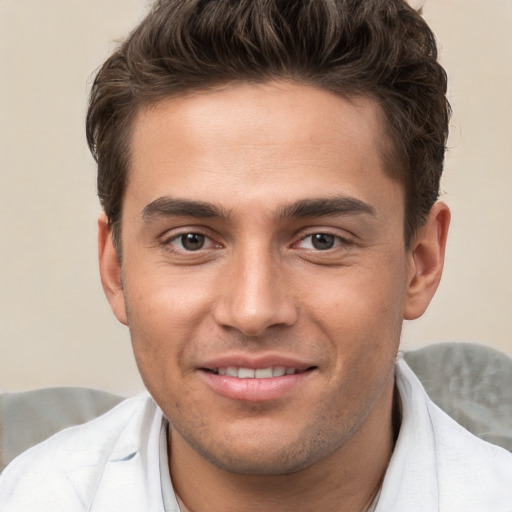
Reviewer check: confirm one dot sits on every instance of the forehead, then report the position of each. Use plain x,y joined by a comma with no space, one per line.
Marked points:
238,139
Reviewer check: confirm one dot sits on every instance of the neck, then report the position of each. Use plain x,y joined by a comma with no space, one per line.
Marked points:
345,481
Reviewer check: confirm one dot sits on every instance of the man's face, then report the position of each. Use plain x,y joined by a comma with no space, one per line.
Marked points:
261,236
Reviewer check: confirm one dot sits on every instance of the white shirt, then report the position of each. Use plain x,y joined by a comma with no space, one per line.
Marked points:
113,463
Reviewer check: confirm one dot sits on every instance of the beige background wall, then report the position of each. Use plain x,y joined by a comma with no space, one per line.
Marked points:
55,325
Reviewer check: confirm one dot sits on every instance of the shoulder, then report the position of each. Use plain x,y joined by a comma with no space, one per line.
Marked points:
64,471
469,468
443,461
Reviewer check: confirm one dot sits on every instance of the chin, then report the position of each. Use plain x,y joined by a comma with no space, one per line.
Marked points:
276,462
271,454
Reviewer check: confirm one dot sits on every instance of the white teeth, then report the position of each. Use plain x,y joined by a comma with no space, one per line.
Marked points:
231,371
263,373
245,373
278,371
260,373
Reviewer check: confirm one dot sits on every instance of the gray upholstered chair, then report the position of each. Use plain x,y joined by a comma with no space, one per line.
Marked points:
472,383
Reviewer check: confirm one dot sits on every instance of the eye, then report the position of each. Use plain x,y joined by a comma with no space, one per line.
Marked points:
320,241
191,242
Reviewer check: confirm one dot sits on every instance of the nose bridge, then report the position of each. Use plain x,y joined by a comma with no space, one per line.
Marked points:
253,296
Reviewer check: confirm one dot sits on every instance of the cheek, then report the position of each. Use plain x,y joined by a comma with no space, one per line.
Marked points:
361,309
167,301
360,301
163,316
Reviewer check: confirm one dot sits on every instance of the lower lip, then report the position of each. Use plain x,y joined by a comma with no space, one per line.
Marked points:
254,390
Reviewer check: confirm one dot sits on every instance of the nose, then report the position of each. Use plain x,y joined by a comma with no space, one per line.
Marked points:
253,295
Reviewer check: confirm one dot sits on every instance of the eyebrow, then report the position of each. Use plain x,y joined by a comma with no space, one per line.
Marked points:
304,208
323,207
168,206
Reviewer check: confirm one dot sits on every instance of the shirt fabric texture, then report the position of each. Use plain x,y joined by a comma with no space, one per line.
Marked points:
115,462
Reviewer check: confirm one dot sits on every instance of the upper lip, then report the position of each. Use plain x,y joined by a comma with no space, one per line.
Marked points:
255,362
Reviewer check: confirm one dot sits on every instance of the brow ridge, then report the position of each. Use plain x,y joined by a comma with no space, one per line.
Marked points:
321,207
304,208
169,206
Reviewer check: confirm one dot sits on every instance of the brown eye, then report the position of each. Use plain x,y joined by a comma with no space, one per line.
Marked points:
322,241
192,241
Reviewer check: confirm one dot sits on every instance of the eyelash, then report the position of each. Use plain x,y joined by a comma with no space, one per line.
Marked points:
180,236
336,241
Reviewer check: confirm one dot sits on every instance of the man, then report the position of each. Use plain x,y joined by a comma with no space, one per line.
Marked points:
269,172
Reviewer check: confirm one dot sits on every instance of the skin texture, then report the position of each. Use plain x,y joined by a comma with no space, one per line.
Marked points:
259,290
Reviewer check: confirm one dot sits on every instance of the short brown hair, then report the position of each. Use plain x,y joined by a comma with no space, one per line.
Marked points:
381,49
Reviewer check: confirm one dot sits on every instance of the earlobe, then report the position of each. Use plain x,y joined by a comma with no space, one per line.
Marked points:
426,261
110,270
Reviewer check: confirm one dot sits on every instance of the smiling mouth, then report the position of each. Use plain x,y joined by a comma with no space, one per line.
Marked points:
259,373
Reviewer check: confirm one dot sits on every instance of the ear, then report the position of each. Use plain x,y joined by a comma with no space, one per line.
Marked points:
426,261
110,270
